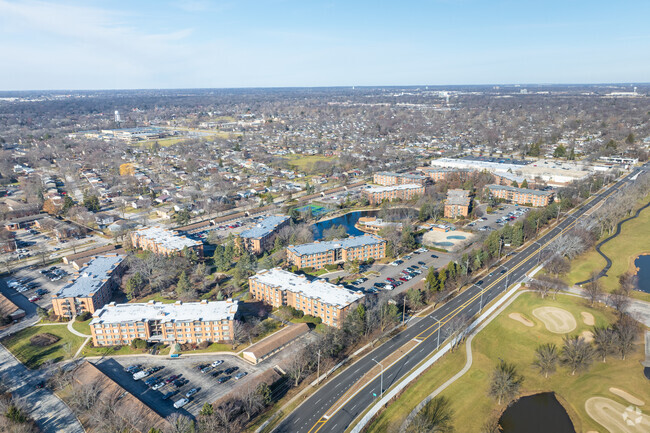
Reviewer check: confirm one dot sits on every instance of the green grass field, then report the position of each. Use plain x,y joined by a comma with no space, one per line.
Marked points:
82,327
307,163
33,356
633,241
515,343
155,297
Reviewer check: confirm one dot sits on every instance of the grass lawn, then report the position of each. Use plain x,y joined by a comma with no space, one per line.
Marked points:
82,327
306,319
307,162
89,350
516,344
33,356
216,347
633,241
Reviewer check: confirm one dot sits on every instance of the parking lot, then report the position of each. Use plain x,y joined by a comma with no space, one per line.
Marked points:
489,221
32,283
186,368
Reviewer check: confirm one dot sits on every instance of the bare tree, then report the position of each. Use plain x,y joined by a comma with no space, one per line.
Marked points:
298,366
540,287
179,424
546,358
605,340
252,402
627,330
577,354
436,417
619,301
594,290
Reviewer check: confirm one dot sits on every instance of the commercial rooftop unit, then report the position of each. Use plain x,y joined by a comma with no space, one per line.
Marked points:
164,241
260,237
91,287
190,322
319,254
318,298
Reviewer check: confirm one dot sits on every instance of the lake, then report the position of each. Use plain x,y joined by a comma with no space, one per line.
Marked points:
539,413
643,276
351,218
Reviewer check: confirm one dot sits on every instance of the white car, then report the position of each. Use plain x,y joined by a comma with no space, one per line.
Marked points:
217,363
182,402
191,392
141,374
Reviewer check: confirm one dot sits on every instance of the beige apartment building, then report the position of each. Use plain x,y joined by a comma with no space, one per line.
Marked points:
406,191
189,322
162,241
261,237
90,288
523,196
318,254
387,178
317,298
457,204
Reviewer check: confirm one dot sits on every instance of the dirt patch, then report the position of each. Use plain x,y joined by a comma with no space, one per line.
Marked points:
588,336
617,418
521,319
588,318
627,396
43,340
555,319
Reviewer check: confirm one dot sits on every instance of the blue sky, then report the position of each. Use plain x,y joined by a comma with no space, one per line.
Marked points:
201,43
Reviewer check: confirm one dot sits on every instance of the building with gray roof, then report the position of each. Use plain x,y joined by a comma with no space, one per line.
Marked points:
260,237
319,254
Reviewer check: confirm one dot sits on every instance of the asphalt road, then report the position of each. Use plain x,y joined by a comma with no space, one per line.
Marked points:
428,332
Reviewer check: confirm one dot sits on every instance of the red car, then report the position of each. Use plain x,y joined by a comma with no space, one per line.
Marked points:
34,299
170,379
403,279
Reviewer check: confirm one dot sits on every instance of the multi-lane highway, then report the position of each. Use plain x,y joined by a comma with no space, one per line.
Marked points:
330,409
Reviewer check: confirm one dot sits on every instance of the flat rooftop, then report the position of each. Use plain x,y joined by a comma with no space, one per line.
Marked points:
323,291
320,247
264,227
520,190
167,238
178,312
91,277
405,175
405,186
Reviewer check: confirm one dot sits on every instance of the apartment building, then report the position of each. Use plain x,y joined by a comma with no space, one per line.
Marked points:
163,241
438,174
404,192
261,237
457,204
318,254
527,196
317,298
90,288
389,178
190,322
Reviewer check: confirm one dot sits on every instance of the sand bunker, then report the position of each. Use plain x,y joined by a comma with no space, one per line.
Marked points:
555,319
627,396
588,318
521,319
617,418
588,336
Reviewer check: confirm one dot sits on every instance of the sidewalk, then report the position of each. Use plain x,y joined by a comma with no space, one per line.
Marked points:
640,310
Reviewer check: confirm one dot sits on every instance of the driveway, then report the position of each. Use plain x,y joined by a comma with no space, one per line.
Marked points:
51,414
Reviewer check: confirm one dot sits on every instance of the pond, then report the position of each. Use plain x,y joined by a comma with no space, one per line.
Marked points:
643,276
539,413
456,237
351,218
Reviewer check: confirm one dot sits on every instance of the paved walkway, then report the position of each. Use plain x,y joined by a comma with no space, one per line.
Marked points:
74,331
51,414
603,272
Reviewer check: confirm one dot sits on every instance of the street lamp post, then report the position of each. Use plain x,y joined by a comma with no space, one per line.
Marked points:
539,251
507,272
381,383
480,307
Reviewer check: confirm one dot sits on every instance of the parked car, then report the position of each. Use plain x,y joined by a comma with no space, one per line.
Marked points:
231,370
34,298
158,385
217,363
169,394
182,402
131,368
171,378
141,374
223,379
217,373
206,369
191,392
240,375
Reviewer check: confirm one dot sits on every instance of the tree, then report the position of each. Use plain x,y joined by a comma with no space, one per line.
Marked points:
134,284
207,409
91,202
594,290
183,283
535,149
627,330
435,417
505,383
546,358
524,184
605,341
179,424
619,301
559,152
540,287
577,355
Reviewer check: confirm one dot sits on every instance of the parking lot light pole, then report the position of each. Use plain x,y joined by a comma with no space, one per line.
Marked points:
381,386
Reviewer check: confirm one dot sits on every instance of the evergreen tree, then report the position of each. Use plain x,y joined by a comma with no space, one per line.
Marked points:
183,284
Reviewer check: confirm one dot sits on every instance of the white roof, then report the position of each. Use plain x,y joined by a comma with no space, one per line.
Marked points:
178,312
323,291
167,238
393,188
